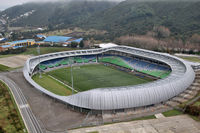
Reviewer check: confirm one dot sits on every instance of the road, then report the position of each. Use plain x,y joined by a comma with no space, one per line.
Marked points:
29,118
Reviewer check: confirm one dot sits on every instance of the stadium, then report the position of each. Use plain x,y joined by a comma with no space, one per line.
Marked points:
145,78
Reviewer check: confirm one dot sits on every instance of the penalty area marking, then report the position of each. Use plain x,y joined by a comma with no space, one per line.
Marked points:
62,83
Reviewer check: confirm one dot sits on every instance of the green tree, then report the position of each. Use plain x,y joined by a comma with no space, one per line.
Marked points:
1,130
81,44
74,44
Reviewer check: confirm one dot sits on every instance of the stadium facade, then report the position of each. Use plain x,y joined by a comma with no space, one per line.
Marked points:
124,97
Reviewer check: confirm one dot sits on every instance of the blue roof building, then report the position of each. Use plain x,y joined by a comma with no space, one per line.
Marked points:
57,39
3,39
6,46
77,40
40,36
21,41
15,47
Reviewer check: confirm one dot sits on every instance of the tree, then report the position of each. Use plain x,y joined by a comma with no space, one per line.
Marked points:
1,130
195,38
81,44
74,44
161,31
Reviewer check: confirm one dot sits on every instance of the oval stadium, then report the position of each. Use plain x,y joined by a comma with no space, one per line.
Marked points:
149,77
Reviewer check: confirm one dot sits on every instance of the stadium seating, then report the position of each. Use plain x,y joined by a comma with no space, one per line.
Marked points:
156,70
78,60
115,60
142,66
43,67
66,61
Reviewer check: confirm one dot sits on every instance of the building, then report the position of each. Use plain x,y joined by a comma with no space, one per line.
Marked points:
23,43
39,36
5,47
3,39
62,40
56,39
73,40
76,40
17,44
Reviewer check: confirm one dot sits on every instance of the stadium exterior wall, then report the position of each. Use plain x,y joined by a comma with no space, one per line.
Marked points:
181,77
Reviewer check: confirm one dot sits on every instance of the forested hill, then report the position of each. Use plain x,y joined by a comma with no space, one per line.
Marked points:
53,13
127,17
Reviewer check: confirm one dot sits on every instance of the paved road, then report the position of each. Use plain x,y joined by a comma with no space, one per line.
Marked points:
29,118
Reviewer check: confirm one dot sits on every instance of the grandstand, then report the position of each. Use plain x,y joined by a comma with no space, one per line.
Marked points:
145,67
138,65
174,76
66,61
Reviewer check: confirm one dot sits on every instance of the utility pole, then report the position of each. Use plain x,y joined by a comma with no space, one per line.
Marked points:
72,78
38,50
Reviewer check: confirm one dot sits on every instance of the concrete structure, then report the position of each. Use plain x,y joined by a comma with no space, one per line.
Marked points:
125,97
175,124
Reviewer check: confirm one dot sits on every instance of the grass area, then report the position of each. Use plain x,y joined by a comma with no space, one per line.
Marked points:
8,55
197,103
145,118
172,113
46,50
190,58
43,50
88,77
10,119
185,103
52,85
3,68
194,118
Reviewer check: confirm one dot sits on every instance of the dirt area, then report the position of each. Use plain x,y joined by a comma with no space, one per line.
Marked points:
53,115
14,61
175,124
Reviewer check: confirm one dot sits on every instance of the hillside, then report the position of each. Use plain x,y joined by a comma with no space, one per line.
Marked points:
43,14
182,18
124,18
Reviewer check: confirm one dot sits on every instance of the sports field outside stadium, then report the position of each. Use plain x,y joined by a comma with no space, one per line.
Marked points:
88,77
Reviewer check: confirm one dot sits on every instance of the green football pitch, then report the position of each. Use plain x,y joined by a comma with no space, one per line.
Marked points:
88,77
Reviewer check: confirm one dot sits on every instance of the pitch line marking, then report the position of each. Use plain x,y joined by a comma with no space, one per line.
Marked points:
62,83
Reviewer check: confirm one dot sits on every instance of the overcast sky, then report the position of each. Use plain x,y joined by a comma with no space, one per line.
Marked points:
8,3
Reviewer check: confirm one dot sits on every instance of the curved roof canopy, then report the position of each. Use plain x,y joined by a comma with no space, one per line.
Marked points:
181,78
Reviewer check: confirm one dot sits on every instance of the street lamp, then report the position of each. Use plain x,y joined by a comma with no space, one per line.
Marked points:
72,78
38,50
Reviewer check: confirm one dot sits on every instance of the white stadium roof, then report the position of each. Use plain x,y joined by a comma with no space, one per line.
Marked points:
181,77
106,45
